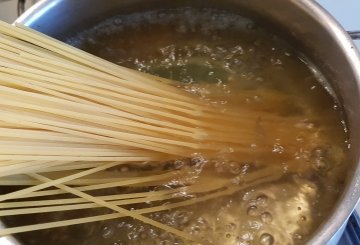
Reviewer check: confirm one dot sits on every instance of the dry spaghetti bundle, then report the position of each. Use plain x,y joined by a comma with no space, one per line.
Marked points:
52,91
66,117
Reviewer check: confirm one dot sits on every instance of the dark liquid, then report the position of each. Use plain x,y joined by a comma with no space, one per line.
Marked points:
226,59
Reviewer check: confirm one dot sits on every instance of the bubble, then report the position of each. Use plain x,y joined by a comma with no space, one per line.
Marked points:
303,218
245,168
266,217
228,235
202,223
152,233
277,148
310,125
285,168
255,224
178,164
219,166
253,211
181,218
318,152
121,224
300,139
321,164
266,239
195,229
129,226
247,236
198,161
133,235
236,180
262,200
297,236
230,226
107,232
319,160
234,168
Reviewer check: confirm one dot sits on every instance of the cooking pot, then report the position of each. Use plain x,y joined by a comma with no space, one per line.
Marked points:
302,22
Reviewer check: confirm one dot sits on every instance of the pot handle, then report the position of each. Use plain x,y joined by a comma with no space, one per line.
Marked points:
355,35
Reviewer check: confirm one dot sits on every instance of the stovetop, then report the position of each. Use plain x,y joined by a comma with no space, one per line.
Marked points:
346,12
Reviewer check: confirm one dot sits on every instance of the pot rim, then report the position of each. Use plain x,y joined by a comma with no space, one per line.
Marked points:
346,203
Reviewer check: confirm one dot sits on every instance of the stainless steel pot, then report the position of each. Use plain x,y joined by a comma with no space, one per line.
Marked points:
304,22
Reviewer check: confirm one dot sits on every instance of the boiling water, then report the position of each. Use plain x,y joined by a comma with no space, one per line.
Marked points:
225,59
